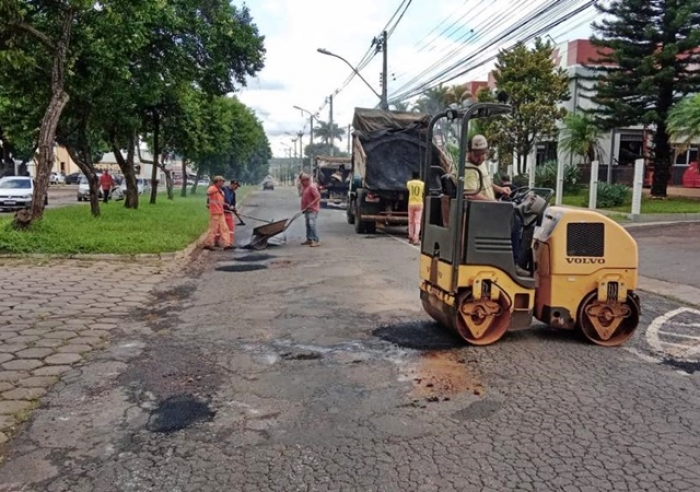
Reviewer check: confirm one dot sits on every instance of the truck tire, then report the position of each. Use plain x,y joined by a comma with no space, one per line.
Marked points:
363,226
349,212
359,225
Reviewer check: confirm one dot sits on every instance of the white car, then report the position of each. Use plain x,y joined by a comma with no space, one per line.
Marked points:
142,185
84,189
57,178
16,192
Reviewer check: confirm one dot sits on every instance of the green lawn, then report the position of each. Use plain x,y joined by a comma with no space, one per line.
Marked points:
165,227
674,205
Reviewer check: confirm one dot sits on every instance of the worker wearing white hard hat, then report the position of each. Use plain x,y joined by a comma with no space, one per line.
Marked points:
476,156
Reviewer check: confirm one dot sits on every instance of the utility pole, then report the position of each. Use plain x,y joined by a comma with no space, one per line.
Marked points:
330,125
301,152
349,148
384,103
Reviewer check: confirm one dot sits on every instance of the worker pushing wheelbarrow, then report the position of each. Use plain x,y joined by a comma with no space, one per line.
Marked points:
261,234
310,203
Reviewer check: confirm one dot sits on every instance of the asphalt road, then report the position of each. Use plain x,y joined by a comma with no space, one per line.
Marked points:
669,252
301,369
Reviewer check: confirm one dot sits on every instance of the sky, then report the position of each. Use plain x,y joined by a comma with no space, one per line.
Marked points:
431,35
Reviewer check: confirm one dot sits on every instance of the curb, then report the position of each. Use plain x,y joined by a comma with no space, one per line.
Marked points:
684,293
170,256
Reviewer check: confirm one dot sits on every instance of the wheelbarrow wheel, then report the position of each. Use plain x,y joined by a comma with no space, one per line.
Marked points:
259,243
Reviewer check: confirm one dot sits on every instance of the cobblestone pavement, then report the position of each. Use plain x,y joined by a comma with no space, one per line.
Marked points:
300,369
54,313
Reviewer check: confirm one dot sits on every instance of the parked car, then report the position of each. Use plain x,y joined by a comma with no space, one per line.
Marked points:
142,185
16,192
57,178
84,189
73,178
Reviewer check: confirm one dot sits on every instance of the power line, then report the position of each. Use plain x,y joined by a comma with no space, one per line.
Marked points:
501,36
452,73
484,26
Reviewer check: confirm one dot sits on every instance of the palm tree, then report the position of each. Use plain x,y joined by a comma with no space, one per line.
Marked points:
684,119
580,136
433,100
401,106
329,134
457,94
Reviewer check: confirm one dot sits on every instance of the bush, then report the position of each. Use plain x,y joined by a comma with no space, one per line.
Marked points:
610,196
546,177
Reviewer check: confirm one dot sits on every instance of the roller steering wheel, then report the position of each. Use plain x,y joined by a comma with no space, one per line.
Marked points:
517,195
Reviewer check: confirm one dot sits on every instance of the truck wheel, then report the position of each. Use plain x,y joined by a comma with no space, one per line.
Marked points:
370,227
359,225
349,213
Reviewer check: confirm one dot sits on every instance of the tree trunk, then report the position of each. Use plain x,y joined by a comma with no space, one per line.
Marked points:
156,153
82,156
662,162
47,133
169,186
183,192
131,198
196,181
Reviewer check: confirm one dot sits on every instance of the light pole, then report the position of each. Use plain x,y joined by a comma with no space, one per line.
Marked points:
383,97
301,152
311,122
311,134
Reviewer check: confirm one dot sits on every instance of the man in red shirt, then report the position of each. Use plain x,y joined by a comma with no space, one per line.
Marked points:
310,198
217,224
106,183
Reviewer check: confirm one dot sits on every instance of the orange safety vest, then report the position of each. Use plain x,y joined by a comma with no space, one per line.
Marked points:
216,200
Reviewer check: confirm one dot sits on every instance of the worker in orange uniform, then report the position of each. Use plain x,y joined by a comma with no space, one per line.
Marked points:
415,207
230,208
217,224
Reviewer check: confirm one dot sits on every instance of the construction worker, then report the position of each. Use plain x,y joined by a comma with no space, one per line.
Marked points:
310,198
217,224
415,207
478,150
230,208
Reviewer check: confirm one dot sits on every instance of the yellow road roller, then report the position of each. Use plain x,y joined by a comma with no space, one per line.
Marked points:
577,268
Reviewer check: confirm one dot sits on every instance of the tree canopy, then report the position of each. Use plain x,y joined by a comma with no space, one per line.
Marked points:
74,73
536,88
648,58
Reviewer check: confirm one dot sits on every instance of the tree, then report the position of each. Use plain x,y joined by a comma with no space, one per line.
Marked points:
41,32
579,136
536,87
647,61
433,100
457,94
329,134
323,149
684,119
401,106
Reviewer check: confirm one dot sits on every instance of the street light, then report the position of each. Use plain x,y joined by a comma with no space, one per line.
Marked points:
311,122
326,52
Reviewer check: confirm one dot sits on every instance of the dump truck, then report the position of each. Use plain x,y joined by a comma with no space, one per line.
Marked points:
333,177
387,148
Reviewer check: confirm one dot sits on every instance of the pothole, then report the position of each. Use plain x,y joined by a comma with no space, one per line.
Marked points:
419,335
179,412
478,410
440,374
280,263
690,367
241,268
301,356
255,257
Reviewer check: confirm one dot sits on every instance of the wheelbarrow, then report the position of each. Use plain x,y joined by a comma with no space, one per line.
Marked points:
262,233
